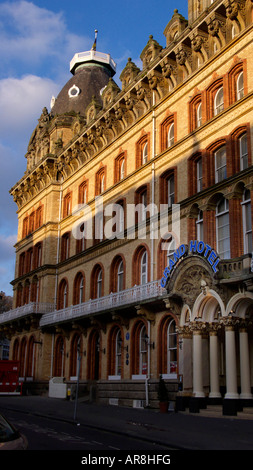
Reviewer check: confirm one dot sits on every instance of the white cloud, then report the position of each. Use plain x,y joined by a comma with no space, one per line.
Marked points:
30,35
22,100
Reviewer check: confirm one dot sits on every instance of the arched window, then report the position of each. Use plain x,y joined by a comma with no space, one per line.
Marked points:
172,348
145,153
122,169
118,344
120,276
144,268
199,226
63,294
218,101
243,147
59,354
74,355
30,358
222,229
199,115
240,86
170,141
167,345
247,221
171,190
143,351
220,164
78,296
99,284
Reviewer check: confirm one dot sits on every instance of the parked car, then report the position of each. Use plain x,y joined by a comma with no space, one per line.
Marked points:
10,437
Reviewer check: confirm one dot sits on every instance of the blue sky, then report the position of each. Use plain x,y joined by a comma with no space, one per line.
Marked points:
37,41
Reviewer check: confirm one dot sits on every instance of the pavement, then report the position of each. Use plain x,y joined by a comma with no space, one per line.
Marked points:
206,430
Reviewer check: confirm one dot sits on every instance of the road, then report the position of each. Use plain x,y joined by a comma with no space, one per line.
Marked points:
48,434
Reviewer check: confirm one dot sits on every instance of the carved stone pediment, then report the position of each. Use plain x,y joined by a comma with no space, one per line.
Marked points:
150,52
128,74
110,93
188,279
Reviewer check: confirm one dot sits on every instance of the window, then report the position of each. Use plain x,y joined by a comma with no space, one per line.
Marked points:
99,284
171,135
100,182
168,187
99,227
78,296
247,222
25,227
38,255
168,129
141,203
120,276
220,164
143,353
22,267
199,175
144,268
200,226
243,146
67,205
29,260
81,242
117,274
172,348
240,86
142,151
83,193
199,115
65,246
218,101
32,222
171,190
63,294
118,344
120,167
39,217
145,153
222,229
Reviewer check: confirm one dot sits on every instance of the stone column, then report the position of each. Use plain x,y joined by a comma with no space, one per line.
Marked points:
197,361
231,372
214,363
244,363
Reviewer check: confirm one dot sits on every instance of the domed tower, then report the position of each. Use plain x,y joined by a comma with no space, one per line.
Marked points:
91,72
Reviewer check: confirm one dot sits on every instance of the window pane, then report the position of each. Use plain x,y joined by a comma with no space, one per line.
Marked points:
218,101
220,165
243,151
240,86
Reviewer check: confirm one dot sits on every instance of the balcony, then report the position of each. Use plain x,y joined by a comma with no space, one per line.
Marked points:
113,301
26,310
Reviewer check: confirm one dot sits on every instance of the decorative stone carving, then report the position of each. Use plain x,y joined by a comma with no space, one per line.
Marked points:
150,52
128,74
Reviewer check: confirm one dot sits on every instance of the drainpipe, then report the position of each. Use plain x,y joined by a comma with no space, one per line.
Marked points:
58,247
153,187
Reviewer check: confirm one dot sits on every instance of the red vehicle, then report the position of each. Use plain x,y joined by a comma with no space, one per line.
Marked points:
9,378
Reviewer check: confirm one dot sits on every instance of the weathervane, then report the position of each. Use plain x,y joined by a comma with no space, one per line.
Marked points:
94,47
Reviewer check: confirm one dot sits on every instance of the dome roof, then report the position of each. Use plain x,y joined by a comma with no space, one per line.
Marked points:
91,73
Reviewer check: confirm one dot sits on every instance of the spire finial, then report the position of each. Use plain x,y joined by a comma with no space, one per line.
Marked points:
94,47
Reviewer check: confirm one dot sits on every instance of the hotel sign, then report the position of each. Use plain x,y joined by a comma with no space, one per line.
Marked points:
195,247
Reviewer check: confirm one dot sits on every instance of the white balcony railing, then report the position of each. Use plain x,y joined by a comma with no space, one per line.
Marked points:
112,301
28,309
